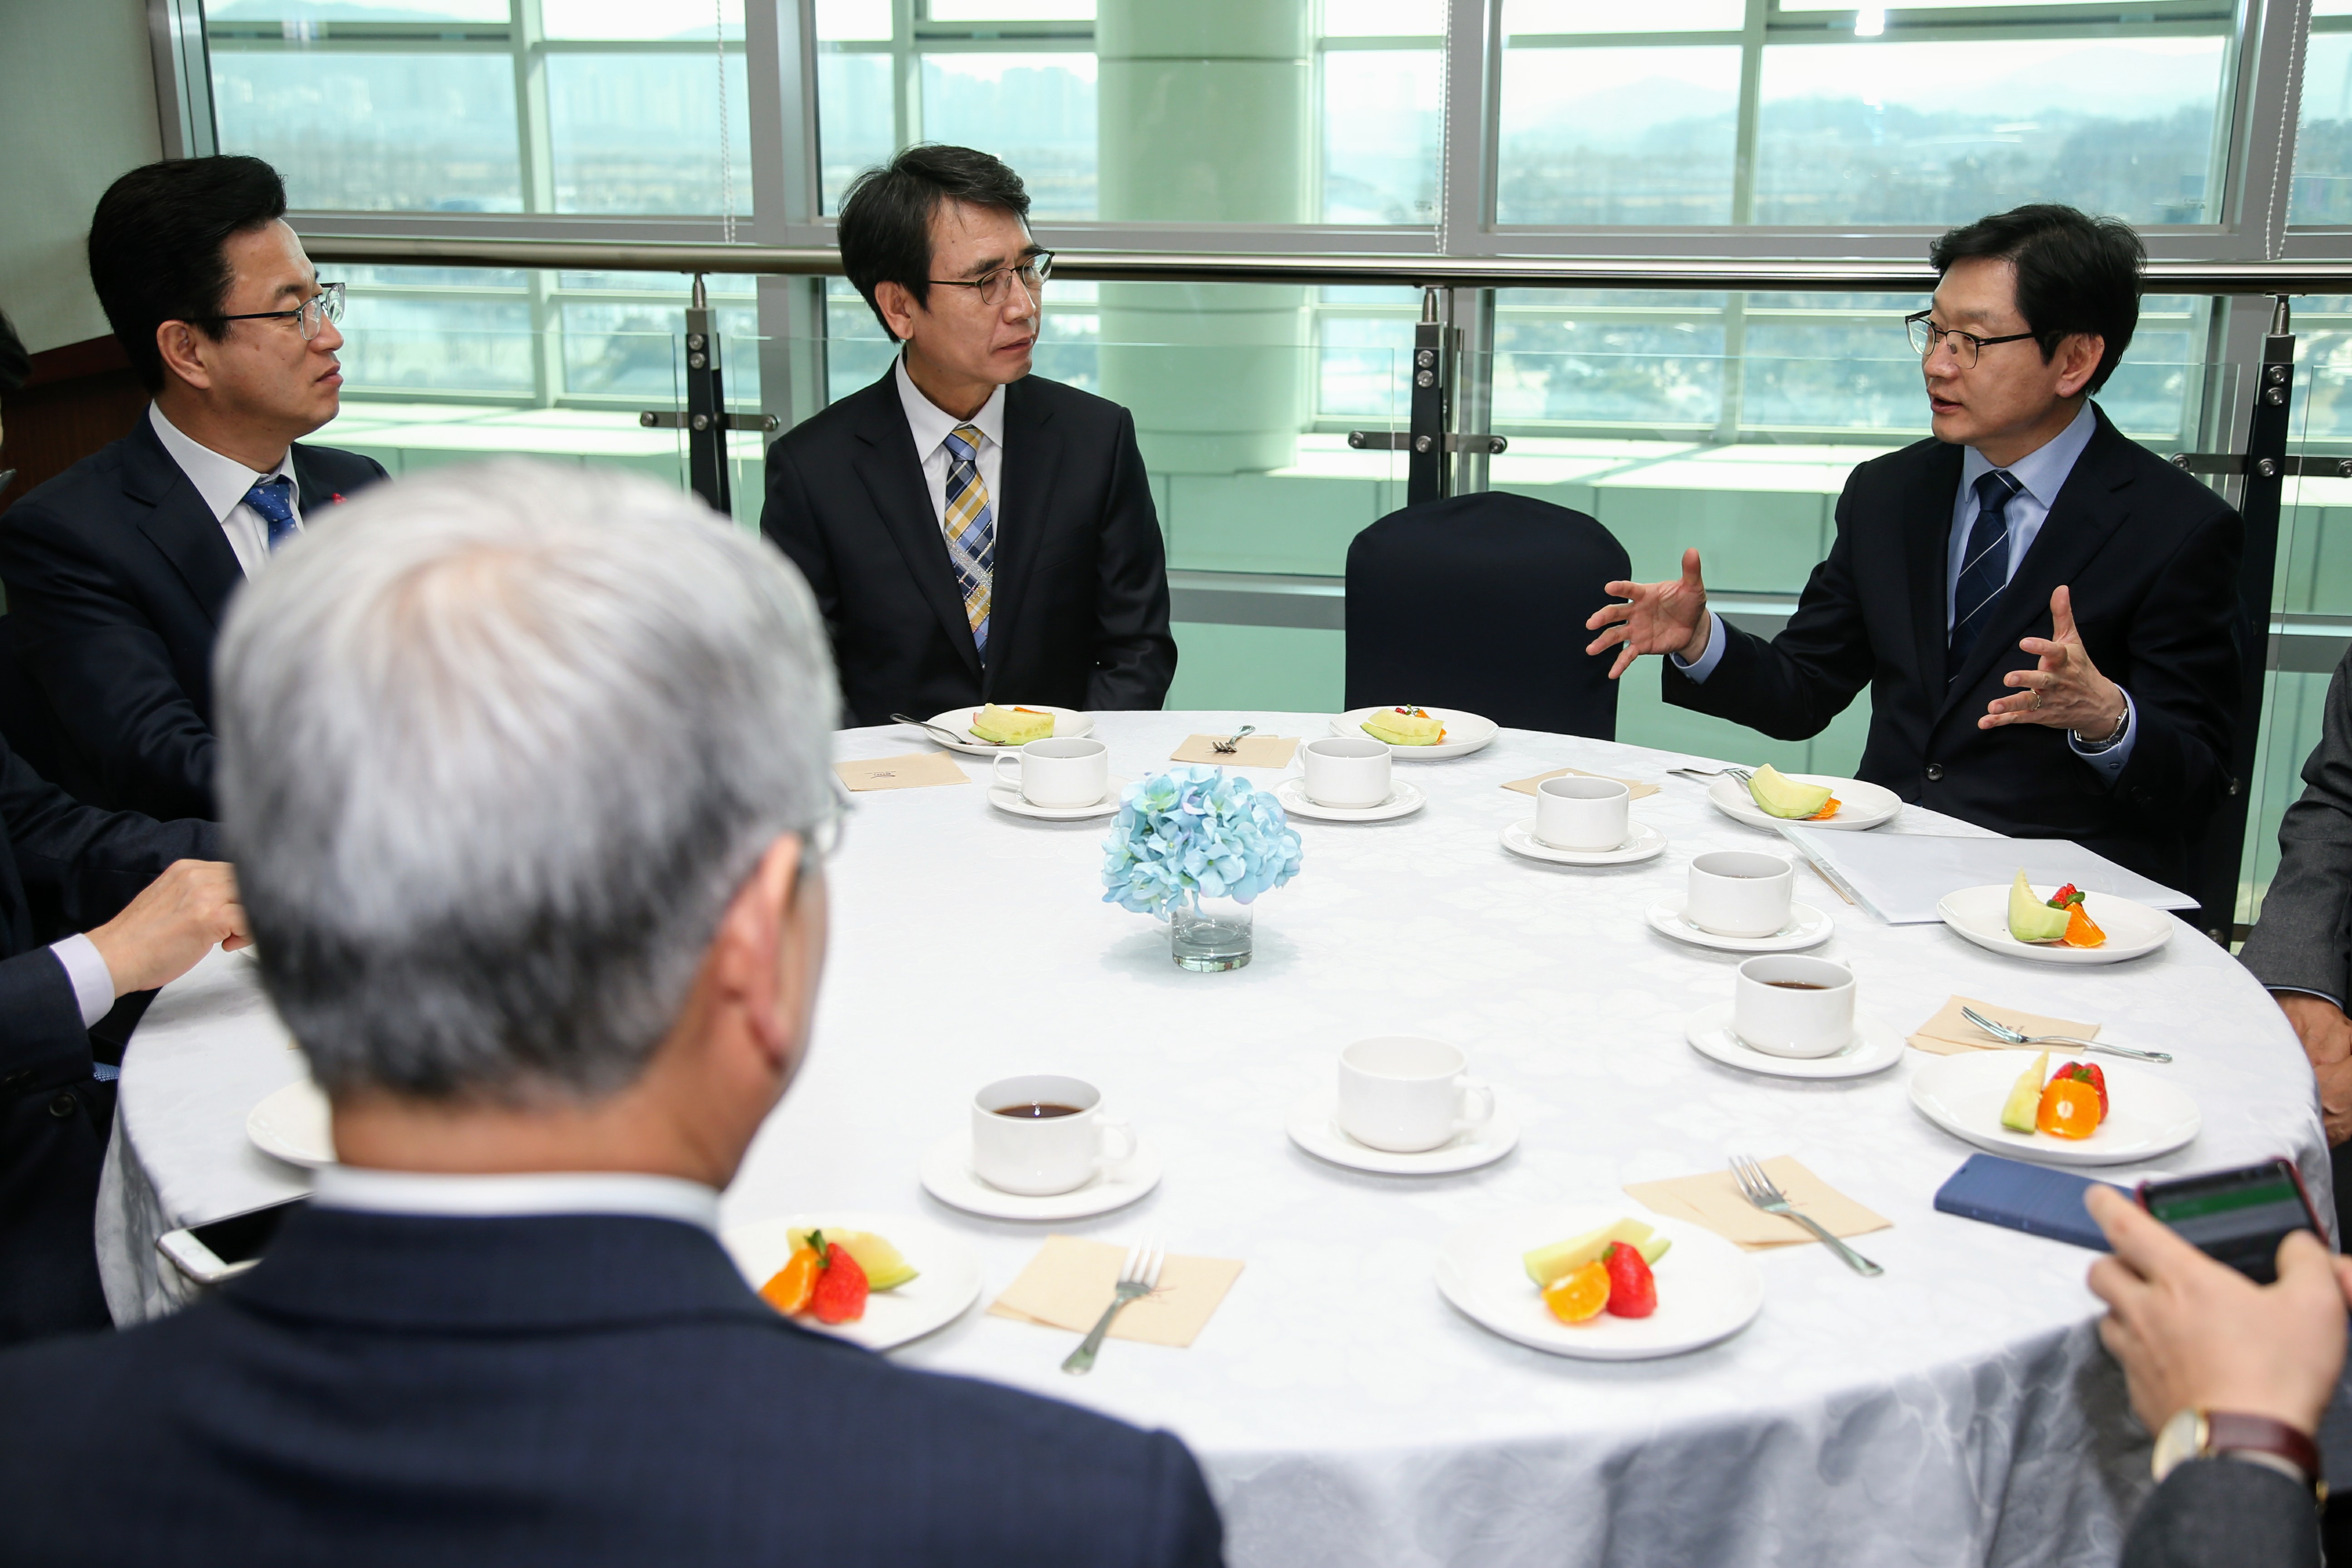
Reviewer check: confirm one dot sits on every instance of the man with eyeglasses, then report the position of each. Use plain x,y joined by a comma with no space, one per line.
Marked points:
972,532
118,571
2041,609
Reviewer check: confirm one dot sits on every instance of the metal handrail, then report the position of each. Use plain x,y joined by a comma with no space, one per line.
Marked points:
1412,271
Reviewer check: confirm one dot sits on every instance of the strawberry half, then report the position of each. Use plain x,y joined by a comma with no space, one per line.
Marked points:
841,1290
1632,1288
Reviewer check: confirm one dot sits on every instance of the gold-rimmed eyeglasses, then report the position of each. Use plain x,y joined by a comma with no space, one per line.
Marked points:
1925,337
326,305
992,287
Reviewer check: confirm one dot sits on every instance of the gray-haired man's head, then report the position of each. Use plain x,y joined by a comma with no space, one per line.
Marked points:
498,747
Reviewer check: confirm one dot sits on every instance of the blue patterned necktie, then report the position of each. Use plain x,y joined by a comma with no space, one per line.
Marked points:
273,499
1984,569
970,530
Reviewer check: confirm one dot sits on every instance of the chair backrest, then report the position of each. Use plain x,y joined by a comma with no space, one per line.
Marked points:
1479,602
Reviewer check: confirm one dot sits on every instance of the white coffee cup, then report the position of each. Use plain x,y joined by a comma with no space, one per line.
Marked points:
1787,1005
1574,813
1044,1134
1740,892
1059,772
1405,1095
1346,771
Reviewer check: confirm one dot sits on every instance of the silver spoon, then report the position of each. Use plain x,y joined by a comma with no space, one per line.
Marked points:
949,736
1234,741
2014,1038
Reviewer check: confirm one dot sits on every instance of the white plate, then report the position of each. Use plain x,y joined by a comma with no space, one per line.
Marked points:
1648,844
947,1176
1314,1126
1708,1289
946,1283
1004,797
1465,734
1860,805
1875,1047
1807,927
1069,724
1981,915
293,1125
1963,1095
1402,801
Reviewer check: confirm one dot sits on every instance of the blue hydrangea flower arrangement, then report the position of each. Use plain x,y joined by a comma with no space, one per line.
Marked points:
1196,833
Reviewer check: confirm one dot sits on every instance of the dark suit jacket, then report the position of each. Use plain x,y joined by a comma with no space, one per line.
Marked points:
118,577
2224,1513
571,1391
86,864
2152,559
1079,617
2303,940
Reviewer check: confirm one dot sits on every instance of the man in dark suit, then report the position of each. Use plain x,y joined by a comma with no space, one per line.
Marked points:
552,972
154,899
2043,609
972,532
118,570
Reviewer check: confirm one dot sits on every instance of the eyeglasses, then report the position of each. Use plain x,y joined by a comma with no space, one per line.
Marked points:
992,287
825,834
1925,337
326,305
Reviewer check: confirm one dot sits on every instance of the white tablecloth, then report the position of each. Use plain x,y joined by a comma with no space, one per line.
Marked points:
1959,1410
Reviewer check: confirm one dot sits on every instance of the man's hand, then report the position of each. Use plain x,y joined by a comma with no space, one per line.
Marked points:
172,925
1660,617
2327,1037
2065,691
2192,1331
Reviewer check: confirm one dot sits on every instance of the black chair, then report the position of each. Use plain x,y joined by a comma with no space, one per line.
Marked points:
1479,603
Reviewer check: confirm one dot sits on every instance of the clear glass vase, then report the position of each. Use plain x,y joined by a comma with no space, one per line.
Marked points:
1215,934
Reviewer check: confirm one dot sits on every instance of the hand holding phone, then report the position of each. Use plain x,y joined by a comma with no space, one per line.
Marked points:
2237,1217
224,1248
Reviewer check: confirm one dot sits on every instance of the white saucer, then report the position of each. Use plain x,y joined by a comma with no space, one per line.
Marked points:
947,1176
1648,844
1314,1126
1807,927
1004,797
1403,801
1981,915
1069,724
947,1281
1465,734
292,1125
1963,1095
1875,1047
1861,806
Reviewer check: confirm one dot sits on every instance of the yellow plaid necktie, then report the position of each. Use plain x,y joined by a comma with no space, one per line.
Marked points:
970,530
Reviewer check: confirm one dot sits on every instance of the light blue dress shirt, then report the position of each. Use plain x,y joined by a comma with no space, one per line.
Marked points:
2041,472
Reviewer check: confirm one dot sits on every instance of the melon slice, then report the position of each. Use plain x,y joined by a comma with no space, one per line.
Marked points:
2025,1097
2031,918
1778,795
1561,1259
1399,728
1012,726
885,1267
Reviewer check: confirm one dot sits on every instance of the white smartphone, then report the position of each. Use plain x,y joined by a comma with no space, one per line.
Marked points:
224,1248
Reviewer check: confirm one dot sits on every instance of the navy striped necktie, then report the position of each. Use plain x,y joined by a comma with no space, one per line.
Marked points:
1984,569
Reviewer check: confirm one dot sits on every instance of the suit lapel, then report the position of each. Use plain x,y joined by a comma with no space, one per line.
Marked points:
892,472
180,524
1926,541
316,493
1033,458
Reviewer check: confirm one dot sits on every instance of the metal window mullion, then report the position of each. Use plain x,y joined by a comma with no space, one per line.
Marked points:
1466,167
533,135
906,76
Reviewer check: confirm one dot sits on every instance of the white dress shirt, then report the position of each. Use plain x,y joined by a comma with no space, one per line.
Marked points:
931,425
477,1197
93,983
221,482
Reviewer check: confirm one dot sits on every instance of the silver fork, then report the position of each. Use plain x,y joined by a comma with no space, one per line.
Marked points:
1999,1031
1137,1277
934,730
1759,1189
1232,743
1729,770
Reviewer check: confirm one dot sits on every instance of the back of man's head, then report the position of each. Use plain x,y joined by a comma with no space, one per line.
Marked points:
886,218
158,246
498,747
2075,273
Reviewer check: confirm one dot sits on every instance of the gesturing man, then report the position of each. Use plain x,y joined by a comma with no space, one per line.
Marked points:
971,531
2041,609
118,570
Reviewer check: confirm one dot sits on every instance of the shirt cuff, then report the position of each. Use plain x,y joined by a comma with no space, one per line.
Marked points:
2110,758
2334,1002
1698,671
93,983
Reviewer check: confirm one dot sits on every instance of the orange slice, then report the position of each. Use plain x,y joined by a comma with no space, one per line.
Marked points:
1827,811
790,1289
1577,1295
2081,930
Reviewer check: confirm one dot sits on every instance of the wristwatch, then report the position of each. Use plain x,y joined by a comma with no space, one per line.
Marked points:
2194,1434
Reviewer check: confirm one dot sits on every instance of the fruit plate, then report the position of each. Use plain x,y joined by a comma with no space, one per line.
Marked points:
948,1281
1981,915
1069,724
1860,805
293,1125
1465,734
1708,1289
1963,1094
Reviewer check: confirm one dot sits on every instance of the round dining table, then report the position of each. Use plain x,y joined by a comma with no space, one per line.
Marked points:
1959,1409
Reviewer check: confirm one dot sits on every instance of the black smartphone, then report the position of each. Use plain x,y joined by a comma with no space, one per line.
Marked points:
222,1248
2238,1217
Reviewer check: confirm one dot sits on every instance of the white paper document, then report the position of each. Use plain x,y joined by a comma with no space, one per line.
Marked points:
1901,877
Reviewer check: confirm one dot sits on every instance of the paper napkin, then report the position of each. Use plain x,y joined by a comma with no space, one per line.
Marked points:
916,770
1633,787
1947,1034
1713,1200
1071,1280
1255,751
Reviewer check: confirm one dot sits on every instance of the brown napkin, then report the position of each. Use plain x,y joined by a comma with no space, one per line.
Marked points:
1713,1200
1947,1034
1070,1281
1633,787
1255,751
916,770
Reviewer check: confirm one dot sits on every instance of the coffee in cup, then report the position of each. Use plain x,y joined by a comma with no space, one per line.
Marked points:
1739,893
1069,773
1042,1134
1405,1095
1788,1006
1346,771
1575,812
